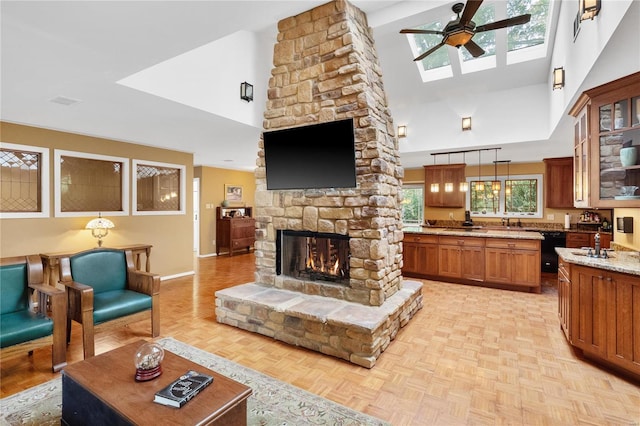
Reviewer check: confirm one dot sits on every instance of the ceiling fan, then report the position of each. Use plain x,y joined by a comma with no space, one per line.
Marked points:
460,31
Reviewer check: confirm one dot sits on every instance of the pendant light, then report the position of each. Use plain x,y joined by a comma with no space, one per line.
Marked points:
448,186
507,183
479,183
435,187
464,185
495,184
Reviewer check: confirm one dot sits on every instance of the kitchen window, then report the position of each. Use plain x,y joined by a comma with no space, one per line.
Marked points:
524,199
413,204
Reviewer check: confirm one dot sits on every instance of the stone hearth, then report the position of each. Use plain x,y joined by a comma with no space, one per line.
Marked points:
326,69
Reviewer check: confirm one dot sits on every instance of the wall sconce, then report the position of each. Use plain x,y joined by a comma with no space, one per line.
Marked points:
246,91
466,123
402,131
589,9
558,78
99,228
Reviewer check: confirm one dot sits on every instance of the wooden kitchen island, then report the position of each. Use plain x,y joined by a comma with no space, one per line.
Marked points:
599,307
499,258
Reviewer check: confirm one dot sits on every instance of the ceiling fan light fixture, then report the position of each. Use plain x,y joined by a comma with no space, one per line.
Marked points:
589,9
459,38
558,78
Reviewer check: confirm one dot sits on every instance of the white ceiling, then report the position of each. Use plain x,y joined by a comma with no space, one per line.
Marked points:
130,64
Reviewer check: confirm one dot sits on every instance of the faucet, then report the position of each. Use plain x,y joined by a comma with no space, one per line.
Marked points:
505,219
597,245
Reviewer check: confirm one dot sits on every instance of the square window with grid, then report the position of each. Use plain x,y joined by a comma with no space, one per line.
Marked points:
158,188
90,185
20,181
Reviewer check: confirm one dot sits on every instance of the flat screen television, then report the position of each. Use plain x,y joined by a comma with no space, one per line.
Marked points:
315,156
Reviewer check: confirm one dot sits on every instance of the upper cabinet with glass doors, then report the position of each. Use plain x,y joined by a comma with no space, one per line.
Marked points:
607,154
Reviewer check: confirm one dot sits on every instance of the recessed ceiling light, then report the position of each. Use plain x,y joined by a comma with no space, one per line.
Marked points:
62,100
228,161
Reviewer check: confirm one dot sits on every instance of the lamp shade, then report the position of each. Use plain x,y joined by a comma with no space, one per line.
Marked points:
100,223
99,228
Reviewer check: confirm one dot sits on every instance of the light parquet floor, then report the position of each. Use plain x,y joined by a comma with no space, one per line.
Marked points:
472,355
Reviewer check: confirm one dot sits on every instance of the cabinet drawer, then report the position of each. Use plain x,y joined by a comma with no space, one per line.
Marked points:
461,241
244,242
511,243
577,240
420,238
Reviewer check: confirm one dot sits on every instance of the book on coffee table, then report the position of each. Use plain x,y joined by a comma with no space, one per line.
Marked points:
183,389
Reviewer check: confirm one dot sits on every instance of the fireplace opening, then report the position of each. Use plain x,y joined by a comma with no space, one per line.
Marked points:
313,256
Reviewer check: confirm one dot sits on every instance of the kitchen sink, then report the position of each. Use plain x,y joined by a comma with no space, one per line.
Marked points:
585,252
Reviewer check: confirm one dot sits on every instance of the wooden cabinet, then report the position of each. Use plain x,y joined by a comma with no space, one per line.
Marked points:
514,262
577,240
558,182
586,239
588,309
623,321
420,255
564,297
581,154
602,308
461,257
235,229
606,128
447,178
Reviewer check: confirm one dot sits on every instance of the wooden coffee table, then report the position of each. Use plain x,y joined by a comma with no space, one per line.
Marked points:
102,390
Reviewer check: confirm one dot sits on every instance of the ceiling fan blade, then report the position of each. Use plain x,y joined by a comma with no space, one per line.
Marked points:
429,52
417,31
470,9
474,49
517,20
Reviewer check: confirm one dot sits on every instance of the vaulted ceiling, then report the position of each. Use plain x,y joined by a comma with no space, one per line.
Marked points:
167,74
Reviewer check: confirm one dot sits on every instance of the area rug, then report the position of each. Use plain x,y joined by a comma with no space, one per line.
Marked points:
272,402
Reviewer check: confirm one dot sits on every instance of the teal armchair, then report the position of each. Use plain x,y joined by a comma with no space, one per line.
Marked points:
105,290
32,314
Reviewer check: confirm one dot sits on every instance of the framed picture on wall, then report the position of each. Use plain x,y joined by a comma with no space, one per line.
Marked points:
233,193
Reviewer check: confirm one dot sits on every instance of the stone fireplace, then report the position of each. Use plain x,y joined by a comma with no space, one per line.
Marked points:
353,300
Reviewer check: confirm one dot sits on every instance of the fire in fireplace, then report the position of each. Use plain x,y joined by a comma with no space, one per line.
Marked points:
313,256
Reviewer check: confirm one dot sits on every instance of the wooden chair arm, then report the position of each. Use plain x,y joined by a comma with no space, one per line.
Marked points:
46,289
144,282
80,299
51,301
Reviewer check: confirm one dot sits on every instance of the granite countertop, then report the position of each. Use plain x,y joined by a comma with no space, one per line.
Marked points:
476,232
627,262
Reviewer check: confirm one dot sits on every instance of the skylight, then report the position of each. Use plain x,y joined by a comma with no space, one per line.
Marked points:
519,43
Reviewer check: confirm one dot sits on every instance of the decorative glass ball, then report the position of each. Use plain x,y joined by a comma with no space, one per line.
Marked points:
147,360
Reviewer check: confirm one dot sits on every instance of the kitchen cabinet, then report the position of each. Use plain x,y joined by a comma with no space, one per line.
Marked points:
564,296
558,182
588,310
515,262
577,240
606,143
235,229
603,317
420,254
586,239
461,257
448,178
623,321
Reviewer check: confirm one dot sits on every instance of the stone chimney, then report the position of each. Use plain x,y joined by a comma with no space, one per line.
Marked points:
325,69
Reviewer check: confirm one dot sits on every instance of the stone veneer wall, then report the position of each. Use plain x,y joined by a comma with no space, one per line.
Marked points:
325,69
